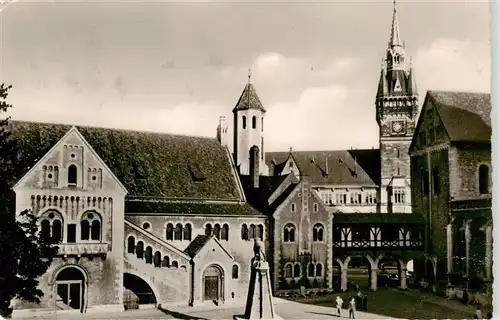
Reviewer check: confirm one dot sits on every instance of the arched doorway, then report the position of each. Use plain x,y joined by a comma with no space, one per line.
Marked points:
213,283
390,272
70,289
137,292
359,273
336,276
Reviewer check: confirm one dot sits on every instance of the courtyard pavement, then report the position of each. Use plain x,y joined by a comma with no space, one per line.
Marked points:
285,309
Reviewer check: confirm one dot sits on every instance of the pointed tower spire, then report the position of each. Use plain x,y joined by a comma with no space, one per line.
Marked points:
412,83
395,39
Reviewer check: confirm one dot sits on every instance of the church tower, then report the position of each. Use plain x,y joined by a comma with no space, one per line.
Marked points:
249,130
397,111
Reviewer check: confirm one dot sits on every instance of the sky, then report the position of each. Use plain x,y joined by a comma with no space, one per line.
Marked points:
175,67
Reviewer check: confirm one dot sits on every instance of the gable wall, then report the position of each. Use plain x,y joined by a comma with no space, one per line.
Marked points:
304,219
44,193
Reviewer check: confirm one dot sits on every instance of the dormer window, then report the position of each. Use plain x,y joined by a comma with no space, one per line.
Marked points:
196,172
72,175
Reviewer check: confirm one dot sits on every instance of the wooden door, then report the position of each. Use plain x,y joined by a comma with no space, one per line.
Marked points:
211,288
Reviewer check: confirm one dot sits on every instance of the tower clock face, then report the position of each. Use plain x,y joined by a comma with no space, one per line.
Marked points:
398,127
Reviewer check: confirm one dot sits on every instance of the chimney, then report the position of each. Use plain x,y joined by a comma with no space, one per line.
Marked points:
326,164
222,131
254,167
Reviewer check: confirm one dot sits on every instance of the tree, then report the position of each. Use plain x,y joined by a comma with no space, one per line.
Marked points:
24,253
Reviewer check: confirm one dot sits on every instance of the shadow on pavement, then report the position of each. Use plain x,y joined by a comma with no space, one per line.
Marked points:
178,315
324,314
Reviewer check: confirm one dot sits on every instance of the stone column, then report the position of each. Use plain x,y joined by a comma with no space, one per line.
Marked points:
489,251
467,247
402,275
449,247
343,279
374,277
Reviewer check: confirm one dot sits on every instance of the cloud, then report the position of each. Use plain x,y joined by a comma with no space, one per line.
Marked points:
450,64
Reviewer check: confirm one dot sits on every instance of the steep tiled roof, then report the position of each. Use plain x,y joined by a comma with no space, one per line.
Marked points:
372,218
190,208
344,168
249,100
465,115
147,164
259,197
196,245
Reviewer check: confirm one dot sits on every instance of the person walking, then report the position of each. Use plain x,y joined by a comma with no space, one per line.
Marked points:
352,308
339,302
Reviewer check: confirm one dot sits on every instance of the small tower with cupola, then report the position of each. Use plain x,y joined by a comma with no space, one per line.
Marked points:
396,112
249,130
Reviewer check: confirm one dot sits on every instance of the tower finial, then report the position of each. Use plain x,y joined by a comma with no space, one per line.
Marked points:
249,75
395,38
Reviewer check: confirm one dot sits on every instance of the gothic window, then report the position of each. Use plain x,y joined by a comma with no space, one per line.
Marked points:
149,255
484,179
318,231
296,271
224,233
90,226
244,232
72,175
157,259
187,232
178,232
319,270
51,226
208,229
131,244
216,231
310,270
140,250
288,271
399,196
169,232
252,231
436,187
244,121
235,271
289,233
254,122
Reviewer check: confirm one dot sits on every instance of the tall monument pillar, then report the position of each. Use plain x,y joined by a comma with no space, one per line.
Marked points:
260,302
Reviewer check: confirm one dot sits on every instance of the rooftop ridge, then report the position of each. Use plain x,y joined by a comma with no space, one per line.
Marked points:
113,129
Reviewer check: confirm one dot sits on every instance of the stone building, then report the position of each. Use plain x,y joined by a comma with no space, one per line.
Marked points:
451,186
143,218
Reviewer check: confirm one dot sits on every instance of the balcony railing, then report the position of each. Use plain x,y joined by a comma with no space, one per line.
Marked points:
378,244
80,249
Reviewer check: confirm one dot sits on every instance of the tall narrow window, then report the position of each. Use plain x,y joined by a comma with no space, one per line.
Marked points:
260,228
436,186
484,179
217,231
187,232
244,232
252,231
208,229
262,124
296,271
425,182
288,271
95,230
178,232
131,244
224,232
254,122
244,122
319,271
72,174
310,271
235,271
169,232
